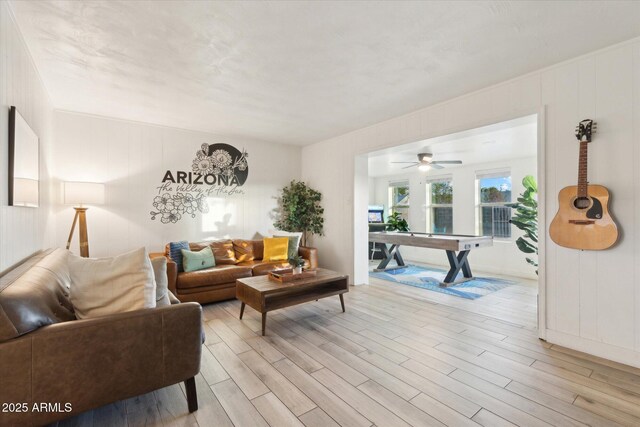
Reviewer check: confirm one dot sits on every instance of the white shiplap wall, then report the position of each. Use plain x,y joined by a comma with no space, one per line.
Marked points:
593,298
131,158
23,231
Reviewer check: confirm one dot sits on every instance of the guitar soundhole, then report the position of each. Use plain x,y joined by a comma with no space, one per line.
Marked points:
582,202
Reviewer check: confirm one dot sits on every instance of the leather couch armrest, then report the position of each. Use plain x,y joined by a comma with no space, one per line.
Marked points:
89,363
310,254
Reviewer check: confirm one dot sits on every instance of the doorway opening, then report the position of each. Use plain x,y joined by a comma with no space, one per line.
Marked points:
446,222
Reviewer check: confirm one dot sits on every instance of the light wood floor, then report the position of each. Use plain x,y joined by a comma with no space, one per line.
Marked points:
399,356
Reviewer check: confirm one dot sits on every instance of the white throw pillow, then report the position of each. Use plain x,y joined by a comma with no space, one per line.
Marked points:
103,286
285,233
162,281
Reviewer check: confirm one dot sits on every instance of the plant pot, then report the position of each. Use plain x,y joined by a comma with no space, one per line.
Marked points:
297,270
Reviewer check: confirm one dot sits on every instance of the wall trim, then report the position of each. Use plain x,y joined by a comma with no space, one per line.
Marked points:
596,348
542,223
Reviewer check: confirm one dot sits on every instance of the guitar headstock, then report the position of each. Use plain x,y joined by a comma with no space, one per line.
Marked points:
585,129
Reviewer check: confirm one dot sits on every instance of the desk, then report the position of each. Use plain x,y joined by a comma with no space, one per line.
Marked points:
456,246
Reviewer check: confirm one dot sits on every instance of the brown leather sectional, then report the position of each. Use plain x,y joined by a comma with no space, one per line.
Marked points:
235,259
53,366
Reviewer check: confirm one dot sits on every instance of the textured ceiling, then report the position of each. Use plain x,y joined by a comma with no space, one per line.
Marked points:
298,72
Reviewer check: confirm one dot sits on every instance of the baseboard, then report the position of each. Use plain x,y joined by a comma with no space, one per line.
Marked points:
595,348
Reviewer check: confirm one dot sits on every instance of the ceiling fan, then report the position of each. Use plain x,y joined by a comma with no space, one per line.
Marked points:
425,162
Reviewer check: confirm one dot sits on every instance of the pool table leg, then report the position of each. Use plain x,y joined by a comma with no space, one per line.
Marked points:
398,256
466,270
457,263
389,254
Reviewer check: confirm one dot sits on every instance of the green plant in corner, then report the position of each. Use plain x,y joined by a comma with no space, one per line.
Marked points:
395,222
299,210
526,219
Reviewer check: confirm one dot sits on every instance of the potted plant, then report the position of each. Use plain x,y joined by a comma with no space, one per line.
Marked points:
395,222
299,210
526,219
296,262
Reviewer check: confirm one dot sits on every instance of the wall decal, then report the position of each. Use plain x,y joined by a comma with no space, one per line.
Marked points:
217,170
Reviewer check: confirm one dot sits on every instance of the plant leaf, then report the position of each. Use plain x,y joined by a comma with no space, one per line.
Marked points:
529,182
525,246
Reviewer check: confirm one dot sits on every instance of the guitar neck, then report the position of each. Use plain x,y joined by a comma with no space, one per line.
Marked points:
582,169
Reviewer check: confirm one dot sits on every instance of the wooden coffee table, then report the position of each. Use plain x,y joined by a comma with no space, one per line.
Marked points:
264,294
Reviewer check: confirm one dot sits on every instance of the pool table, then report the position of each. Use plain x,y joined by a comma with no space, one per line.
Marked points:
456,246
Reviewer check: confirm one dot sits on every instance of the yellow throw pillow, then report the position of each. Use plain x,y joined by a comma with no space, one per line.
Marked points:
275,248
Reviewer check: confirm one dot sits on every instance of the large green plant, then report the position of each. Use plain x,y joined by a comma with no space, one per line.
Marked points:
395,222
526,219
299,210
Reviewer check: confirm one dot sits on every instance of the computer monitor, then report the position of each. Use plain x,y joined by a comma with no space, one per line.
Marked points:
376,216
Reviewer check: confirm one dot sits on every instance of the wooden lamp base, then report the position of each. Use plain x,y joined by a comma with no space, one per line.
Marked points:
81,213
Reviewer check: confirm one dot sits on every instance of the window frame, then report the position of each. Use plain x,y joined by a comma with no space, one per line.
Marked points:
431,206
500,173
392,207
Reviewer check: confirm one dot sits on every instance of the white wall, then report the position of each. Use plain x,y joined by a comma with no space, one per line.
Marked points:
23,231
503,257
593,298
132,158
372,191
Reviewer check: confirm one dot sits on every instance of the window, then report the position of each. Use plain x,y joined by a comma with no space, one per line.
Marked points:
494,193
440,206
399,198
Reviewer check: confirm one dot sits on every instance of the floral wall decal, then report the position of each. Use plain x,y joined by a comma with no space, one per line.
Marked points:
221,159
217,170
172,208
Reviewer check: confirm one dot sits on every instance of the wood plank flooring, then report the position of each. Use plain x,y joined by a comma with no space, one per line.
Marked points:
399,356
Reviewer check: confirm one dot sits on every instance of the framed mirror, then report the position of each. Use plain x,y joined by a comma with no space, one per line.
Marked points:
24,162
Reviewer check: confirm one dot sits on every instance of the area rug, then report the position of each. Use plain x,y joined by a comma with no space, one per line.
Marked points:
429,278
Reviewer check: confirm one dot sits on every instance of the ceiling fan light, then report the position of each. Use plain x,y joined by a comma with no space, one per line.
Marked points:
424,156
424,168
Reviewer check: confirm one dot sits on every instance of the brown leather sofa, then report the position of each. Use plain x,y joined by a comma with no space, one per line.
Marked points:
47,357
235,259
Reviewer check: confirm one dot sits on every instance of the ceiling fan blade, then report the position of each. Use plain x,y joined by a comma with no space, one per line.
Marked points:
413,163
447,162
436,166
410,166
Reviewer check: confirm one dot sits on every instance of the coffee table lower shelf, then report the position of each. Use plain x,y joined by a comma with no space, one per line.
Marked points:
264,295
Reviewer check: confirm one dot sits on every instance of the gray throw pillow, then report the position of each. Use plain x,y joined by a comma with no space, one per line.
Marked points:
294,244
162,282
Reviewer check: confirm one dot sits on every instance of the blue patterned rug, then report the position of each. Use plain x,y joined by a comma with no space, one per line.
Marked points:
429,278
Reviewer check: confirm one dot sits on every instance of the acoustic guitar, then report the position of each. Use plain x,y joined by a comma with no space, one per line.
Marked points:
583,220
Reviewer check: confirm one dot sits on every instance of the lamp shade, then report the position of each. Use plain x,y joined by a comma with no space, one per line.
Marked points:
25,192
83,193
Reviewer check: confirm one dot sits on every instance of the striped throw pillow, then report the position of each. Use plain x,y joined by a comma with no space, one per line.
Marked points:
175,252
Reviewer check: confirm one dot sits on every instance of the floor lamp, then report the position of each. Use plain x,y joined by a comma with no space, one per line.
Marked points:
80,194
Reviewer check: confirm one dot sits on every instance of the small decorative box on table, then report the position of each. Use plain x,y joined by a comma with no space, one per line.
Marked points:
287,275
264,294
